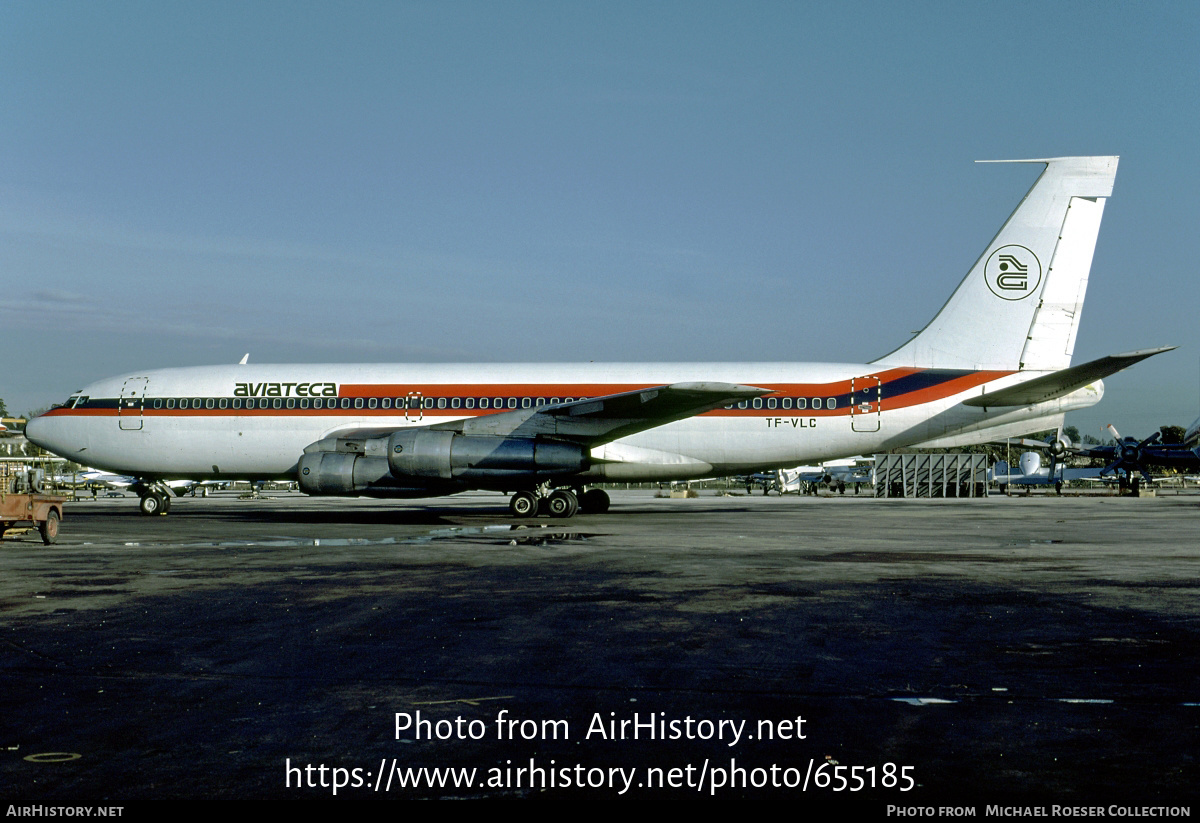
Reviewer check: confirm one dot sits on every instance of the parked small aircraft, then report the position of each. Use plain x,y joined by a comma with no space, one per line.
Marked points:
99,479
1127,460
1030,472
1130,457
837,474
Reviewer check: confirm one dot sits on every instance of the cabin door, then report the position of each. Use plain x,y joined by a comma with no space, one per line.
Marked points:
131,403
866,402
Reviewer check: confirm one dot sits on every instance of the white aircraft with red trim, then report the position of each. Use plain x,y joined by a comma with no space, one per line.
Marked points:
994,362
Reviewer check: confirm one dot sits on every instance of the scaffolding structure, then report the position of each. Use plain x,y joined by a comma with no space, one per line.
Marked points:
931,475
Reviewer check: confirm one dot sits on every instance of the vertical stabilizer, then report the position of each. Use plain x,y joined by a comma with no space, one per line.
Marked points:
1019,306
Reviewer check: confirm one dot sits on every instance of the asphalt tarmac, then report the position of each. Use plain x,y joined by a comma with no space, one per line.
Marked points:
843,650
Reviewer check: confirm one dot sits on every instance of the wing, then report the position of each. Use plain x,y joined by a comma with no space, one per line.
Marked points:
589,422
593,421
504,450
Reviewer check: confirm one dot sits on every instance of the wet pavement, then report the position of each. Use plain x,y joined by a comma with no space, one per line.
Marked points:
916,653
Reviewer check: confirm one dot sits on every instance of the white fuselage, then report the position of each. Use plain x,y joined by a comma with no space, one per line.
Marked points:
970,375
254,421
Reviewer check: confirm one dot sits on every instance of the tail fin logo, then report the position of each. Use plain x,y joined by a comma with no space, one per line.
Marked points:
1013,272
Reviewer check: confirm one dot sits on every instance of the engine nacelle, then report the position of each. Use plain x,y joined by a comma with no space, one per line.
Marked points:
1030,463
419,461
341,472
467,457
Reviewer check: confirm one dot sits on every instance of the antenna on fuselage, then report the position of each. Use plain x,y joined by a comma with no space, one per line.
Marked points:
245,357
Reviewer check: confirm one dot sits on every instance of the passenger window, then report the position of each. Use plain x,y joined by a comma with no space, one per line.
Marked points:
441,402
483,402
787,402
157,403
526,402
358,403
372,403
471,403
772,402
831,403
221,404
816,402
291,402
801,402
345,402
756,402
455,402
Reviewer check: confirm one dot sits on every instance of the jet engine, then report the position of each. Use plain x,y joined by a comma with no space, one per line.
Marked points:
419,461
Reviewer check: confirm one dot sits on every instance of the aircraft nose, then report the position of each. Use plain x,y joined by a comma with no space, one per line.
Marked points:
39,432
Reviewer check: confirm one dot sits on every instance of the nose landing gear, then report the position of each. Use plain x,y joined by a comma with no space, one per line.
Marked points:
155,499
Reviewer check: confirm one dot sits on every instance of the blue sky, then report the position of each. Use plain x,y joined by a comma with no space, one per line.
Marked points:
181,183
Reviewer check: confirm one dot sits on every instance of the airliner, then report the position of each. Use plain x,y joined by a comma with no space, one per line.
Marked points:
994,362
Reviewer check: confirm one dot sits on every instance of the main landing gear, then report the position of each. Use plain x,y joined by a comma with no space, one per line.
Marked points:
559,503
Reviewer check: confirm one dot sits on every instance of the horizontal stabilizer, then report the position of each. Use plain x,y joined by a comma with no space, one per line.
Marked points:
1062,382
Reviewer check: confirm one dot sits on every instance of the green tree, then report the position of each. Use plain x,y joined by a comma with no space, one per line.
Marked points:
1171,434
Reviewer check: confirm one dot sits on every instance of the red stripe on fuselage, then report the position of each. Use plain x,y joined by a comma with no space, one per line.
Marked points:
576,391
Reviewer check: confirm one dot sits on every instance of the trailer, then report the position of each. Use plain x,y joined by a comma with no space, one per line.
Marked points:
23,501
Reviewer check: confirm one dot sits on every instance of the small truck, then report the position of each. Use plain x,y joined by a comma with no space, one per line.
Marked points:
23,501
